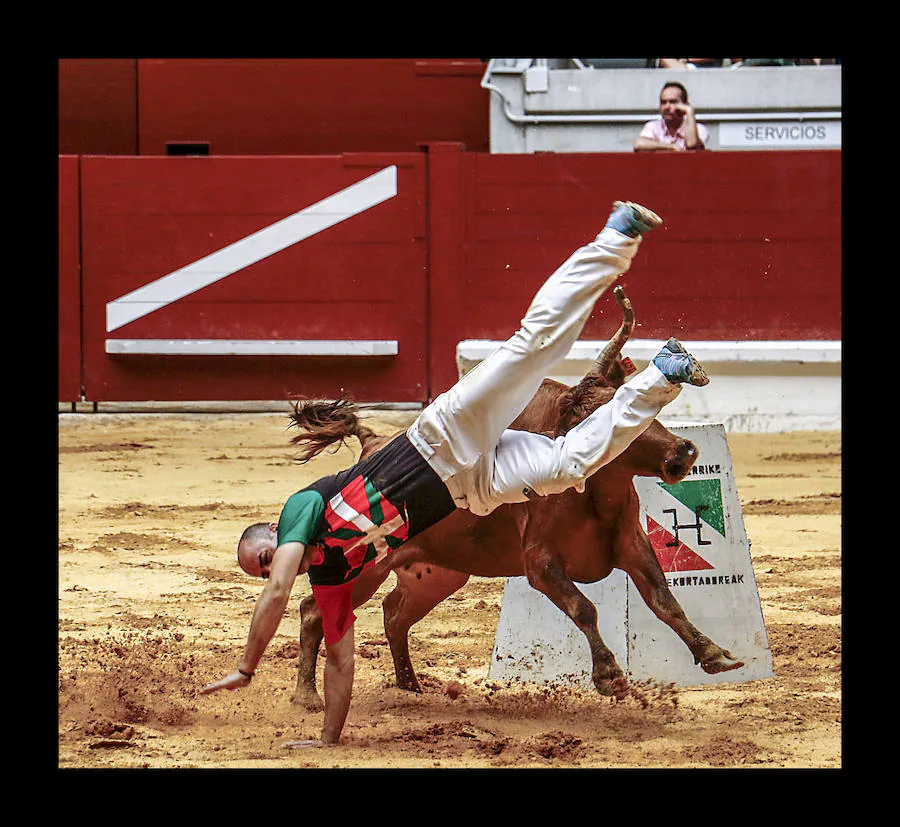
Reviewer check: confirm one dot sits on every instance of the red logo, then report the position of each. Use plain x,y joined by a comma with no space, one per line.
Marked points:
673,555
364,524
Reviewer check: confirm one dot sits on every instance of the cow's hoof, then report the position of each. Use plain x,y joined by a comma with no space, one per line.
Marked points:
614,687
722,662
410,686
308,699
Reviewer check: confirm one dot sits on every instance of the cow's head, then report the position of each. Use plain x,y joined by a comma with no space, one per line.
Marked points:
657,452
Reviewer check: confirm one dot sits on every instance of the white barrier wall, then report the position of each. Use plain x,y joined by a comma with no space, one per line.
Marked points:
697,531
537,107
755,387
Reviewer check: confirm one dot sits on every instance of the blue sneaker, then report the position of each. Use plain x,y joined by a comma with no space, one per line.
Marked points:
632,219
677,365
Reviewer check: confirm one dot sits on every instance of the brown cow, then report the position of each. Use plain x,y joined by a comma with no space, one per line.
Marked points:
554,541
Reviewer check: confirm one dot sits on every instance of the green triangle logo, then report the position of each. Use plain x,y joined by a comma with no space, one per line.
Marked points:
703,498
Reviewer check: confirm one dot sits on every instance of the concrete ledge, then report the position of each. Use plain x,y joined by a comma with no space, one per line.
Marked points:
212,406
755,387
799,352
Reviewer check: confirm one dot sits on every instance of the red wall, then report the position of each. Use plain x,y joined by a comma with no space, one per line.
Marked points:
307,107
69,333
98,106
271,107
750,249
144,218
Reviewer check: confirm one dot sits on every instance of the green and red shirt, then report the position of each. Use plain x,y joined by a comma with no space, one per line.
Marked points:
358,516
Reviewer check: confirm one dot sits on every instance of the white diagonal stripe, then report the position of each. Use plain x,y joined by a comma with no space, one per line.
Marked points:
350,514
351,201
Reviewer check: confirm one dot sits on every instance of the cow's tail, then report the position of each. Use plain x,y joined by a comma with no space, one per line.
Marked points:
324,423
609,371
609,365
608,361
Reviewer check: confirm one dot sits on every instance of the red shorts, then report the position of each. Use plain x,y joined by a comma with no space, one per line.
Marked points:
336,605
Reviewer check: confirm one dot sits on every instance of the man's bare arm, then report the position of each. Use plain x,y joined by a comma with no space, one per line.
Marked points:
642,144
267,615
691,133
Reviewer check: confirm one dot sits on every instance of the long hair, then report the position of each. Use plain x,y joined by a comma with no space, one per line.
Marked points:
324,423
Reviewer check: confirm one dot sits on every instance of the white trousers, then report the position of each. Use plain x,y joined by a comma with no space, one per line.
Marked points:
464,434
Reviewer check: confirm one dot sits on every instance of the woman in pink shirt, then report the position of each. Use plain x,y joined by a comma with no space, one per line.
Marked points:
676,129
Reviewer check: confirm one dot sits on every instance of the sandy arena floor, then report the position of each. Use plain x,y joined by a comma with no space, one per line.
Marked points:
152,606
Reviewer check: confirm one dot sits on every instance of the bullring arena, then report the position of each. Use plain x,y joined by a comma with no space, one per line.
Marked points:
313,257
152,606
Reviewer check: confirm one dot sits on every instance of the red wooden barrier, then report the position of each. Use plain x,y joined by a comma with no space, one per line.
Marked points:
363,278
750,249
69,283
